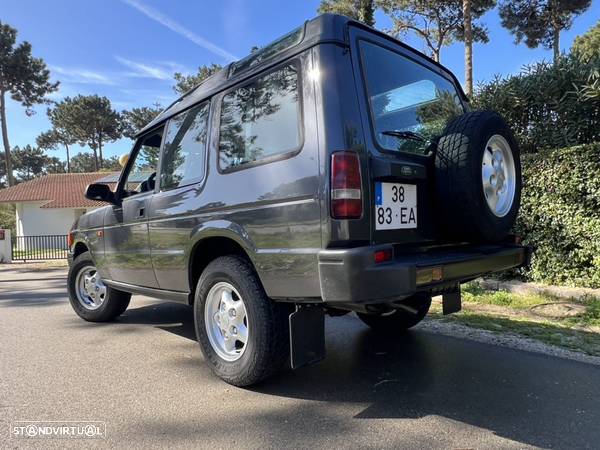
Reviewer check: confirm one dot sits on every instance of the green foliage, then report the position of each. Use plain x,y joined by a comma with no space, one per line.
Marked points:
7,217
31,162
546,105
22,76
362,10
83,162
539,22
185,83
587,46
90,120
560,215
437,23
137,118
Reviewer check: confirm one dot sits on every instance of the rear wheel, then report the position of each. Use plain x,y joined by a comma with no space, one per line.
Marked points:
91,299
409,313
243,334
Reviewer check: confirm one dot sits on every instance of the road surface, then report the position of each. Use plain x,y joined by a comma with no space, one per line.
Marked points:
145,378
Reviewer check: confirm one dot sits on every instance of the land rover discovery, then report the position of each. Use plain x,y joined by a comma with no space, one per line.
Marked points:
335,170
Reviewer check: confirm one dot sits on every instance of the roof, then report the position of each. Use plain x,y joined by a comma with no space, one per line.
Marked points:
326,28
63,190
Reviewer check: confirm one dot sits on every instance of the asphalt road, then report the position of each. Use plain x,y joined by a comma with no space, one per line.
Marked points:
145,377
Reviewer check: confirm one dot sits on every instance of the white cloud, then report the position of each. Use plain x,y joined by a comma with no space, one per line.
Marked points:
159,17
82,76
144,70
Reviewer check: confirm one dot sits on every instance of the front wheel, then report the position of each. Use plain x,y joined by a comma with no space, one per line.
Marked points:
91,299
243,334
408,314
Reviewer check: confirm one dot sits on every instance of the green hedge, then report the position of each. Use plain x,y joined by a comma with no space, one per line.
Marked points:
548,105
560,215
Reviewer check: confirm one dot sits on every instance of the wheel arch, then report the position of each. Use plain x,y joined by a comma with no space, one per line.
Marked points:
212,242
79,248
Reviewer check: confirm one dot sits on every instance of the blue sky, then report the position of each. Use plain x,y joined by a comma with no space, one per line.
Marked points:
129,49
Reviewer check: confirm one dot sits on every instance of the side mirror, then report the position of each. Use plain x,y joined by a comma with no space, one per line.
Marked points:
100,192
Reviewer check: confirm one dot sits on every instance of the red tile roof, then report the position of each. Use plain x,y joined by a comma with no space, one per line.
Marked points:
64,190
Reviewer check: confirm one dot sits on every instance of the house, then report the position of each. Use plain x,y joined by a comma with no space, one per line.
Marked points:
49,205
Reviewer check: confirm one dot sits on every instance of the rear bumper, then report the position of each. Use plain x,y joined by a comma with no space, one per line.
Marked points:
352,276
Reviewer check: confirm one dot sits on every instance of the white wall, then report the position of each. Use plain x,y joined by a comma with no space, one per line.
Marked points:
35,221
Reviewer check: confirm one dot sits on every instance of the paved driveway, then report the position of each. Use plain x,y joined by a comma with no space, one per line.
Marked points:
144,376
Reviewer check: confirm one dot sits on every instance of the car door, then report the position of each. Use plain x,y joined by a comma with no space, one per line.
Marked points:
127,246
179,185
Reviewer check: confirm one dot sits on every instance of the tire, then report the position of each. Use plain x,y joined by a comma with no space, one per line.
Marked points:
266,349
414,311
107,307
465,209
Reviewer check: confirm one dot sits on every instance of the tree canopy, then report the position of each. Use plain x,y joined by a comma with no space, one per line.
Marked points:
539,22
438,23
137,118
363,10
62,133
587,46
184,83
92,121
25,78
31,162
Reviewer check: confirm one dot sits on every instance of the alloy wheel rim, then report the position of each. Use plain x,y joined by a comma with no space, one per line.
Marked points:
90,289
498,175
226,321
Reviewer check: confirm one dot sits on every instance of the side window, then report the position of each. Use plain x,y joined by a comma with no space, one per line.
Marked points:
183,157
142,170
261,119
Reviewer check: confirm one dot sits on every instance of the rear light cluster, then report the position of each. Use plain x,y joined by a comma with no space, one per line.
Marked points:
346,186
70,240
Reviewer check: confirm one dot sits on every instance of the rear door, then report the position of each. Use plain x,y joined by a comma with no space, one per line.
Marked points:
179,186
406,101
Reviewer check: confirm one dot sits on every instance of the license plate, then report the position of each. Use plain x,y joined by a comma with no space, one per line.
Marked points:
395,206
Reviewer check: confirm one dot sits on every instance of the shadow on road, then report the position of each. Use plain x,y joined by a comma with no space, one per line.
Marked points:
529,398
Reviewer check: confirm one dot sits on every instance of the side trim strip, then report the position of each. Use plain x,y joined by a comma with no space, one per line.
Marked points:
163,294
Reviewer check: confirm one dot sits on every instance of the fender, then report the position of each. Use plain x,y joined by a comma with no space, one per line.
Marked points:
221,228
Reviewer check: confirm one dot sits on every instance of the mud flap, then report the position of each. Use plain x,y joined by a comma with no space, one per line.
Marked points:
451,301
307,335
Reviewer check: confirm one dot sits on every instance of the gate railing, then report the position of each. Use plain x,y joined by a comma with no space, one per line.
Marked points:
31,248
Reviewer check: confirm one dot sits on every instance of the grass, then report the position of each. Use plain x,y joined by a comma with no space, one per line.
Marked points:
501,311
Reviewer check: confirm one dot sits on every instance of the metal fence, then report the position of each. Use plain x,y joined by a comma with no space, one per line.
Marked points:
31,248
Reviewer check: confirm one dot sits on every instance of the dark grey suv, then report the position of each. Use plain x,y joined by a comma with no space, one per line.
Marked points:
334,170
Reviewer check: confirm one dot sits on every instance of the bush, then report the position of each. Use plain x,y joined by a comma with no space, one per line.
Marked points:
560,215
546,105
7,217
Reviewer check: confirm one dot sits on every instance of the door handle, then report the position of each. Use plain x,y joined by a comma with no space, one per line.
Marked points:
142,212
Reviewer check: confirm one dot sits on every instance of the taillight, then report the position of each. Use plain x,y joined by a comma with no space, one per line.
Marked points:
346,186
69,239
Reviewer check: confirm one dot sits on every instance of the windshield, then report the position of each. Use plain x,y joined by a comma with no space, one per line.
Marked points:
410,104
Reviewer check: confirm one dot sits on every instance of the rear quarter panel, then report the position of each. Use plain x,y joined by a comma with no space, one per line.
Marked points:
273,210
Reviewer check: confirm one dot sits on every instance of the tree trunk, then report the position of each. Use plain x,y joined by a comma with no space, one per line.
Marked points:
468,47
8,161
436,54
556,43
95,159
100,152
68,159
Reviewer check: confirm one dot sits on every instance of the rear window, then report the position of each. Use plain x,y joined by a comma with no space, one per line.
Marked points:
261,120
409,104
